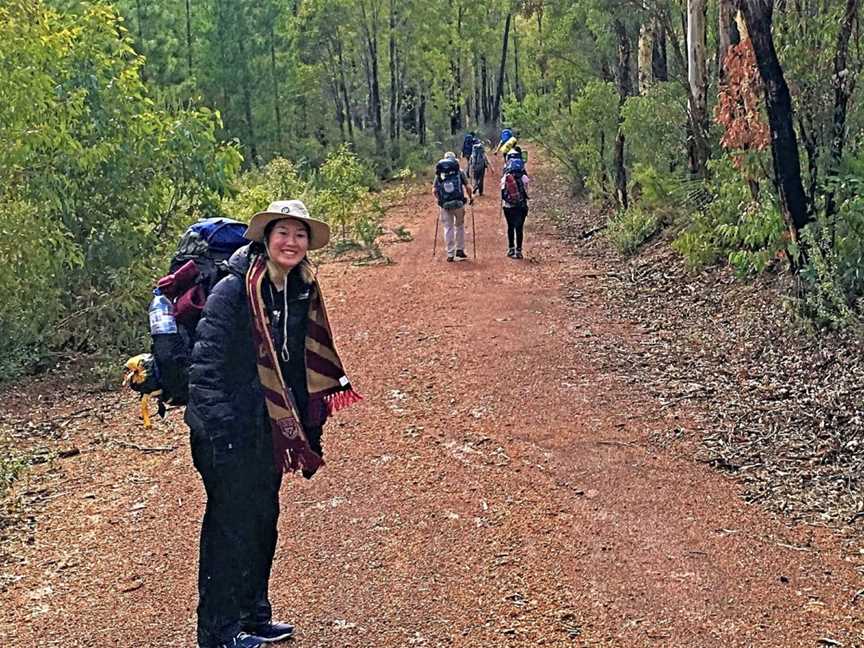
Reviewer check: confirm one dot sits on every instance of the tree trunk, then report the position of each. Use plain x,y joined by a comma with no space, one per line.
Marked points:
727,35
409,116
844,84
393,88
484,72
496,107
189,37
456,76
659,66
343,88
541,62
277,102
518,82
246,93
370,28
400,85
784,144
625,89
645,59
697,77
421,119
478,96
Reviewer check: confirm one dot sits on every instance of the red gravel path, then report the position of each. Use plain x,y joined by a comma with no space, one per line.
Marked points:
495,488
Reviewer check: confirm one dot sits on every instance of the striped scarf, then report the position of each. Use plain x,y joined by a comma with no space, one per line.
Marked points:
329,388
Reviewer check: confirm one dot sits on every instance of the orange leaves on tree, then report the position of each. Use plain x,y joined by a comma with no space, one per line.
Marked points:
739,107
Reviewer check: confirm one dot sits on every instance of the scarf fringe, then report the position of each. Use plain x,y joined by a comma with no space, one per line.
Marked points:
341,400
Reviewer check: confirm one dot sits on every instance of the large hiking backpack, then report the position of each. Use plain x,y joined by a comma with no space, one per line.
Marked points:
448,180
199,263
478,158
514,193
506,134
467,143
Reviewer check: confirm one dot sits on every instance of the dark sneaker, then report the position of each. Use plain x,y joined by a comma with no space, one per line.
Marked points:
460,254
273,632
449,259
242,640
517,254
511,252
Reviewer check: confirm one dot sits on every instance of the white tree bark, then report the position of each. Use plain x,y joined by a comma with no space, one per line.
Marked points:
697,75
646,49
697,71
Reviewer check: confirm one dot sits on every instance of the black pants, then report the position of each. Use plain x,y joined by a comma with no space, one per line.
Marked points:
515,224
238,536
479,174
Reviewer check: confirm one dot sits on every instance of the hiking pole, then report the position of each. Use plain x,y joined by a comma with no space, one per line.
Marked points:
435,240
473,228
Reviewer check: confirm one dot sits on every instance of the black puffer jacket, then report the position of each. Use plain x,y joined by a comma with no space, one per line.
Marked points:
226,404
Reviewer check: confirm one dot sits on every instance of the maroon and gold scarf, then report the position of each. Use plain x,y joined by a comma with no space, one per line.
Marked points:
329,388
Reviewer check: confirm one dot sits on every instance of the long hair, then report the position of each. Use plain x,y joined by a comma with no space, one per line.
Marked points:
306,270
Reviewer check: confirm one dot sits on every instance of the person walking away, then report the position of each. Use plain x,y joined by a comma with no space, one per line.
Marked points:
264,377
508,146
515,154
467,145
478,163
449,190
505,136
514,201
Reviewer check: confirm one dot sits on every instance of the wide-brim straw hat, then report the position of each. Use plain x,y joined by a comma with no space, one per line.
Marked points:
319,231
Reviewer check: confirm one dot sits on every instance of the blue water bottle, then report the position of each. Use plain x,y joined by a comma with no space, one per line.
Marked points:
161,315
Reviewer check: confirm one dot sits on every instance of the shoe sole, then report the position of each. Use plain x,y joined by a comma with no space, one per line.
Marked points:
282,637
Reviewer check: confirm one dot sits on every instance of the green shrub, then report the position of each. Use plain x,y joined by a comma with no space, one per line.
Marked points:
630,228
93,180
749,234
655,127
825,299
697,248
582,140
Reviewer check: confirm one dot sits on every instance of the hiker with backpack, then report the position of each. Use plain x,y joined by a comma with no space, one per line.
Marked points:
478,163
467,146
449,190
264,376
514,202
506,136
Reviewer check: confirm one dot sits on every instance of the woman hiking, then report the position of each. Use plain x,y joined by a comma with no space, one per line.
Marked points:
264,377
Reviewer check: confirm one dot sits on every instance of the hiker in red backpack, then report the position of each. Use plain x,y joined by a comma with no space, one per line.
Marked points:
514,202
449,189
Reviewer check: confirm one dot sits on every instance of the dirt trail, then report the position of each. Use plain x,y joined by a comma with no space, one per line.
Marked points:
495,488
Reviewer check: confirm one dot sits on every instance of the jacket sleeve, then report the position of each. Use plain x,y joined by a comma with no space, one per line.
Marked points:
210,394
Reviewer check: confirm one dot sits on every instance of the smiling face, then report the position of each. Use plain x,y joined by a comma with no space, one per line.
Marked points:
287,243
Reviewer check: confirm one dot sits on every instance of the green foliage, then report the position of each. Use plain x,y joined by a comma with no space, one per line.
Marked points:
403,234
278,180
11,467
342,192
746,232
826,291
833,274
93,179
531,115
655,126
630,228
582,140
337,193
